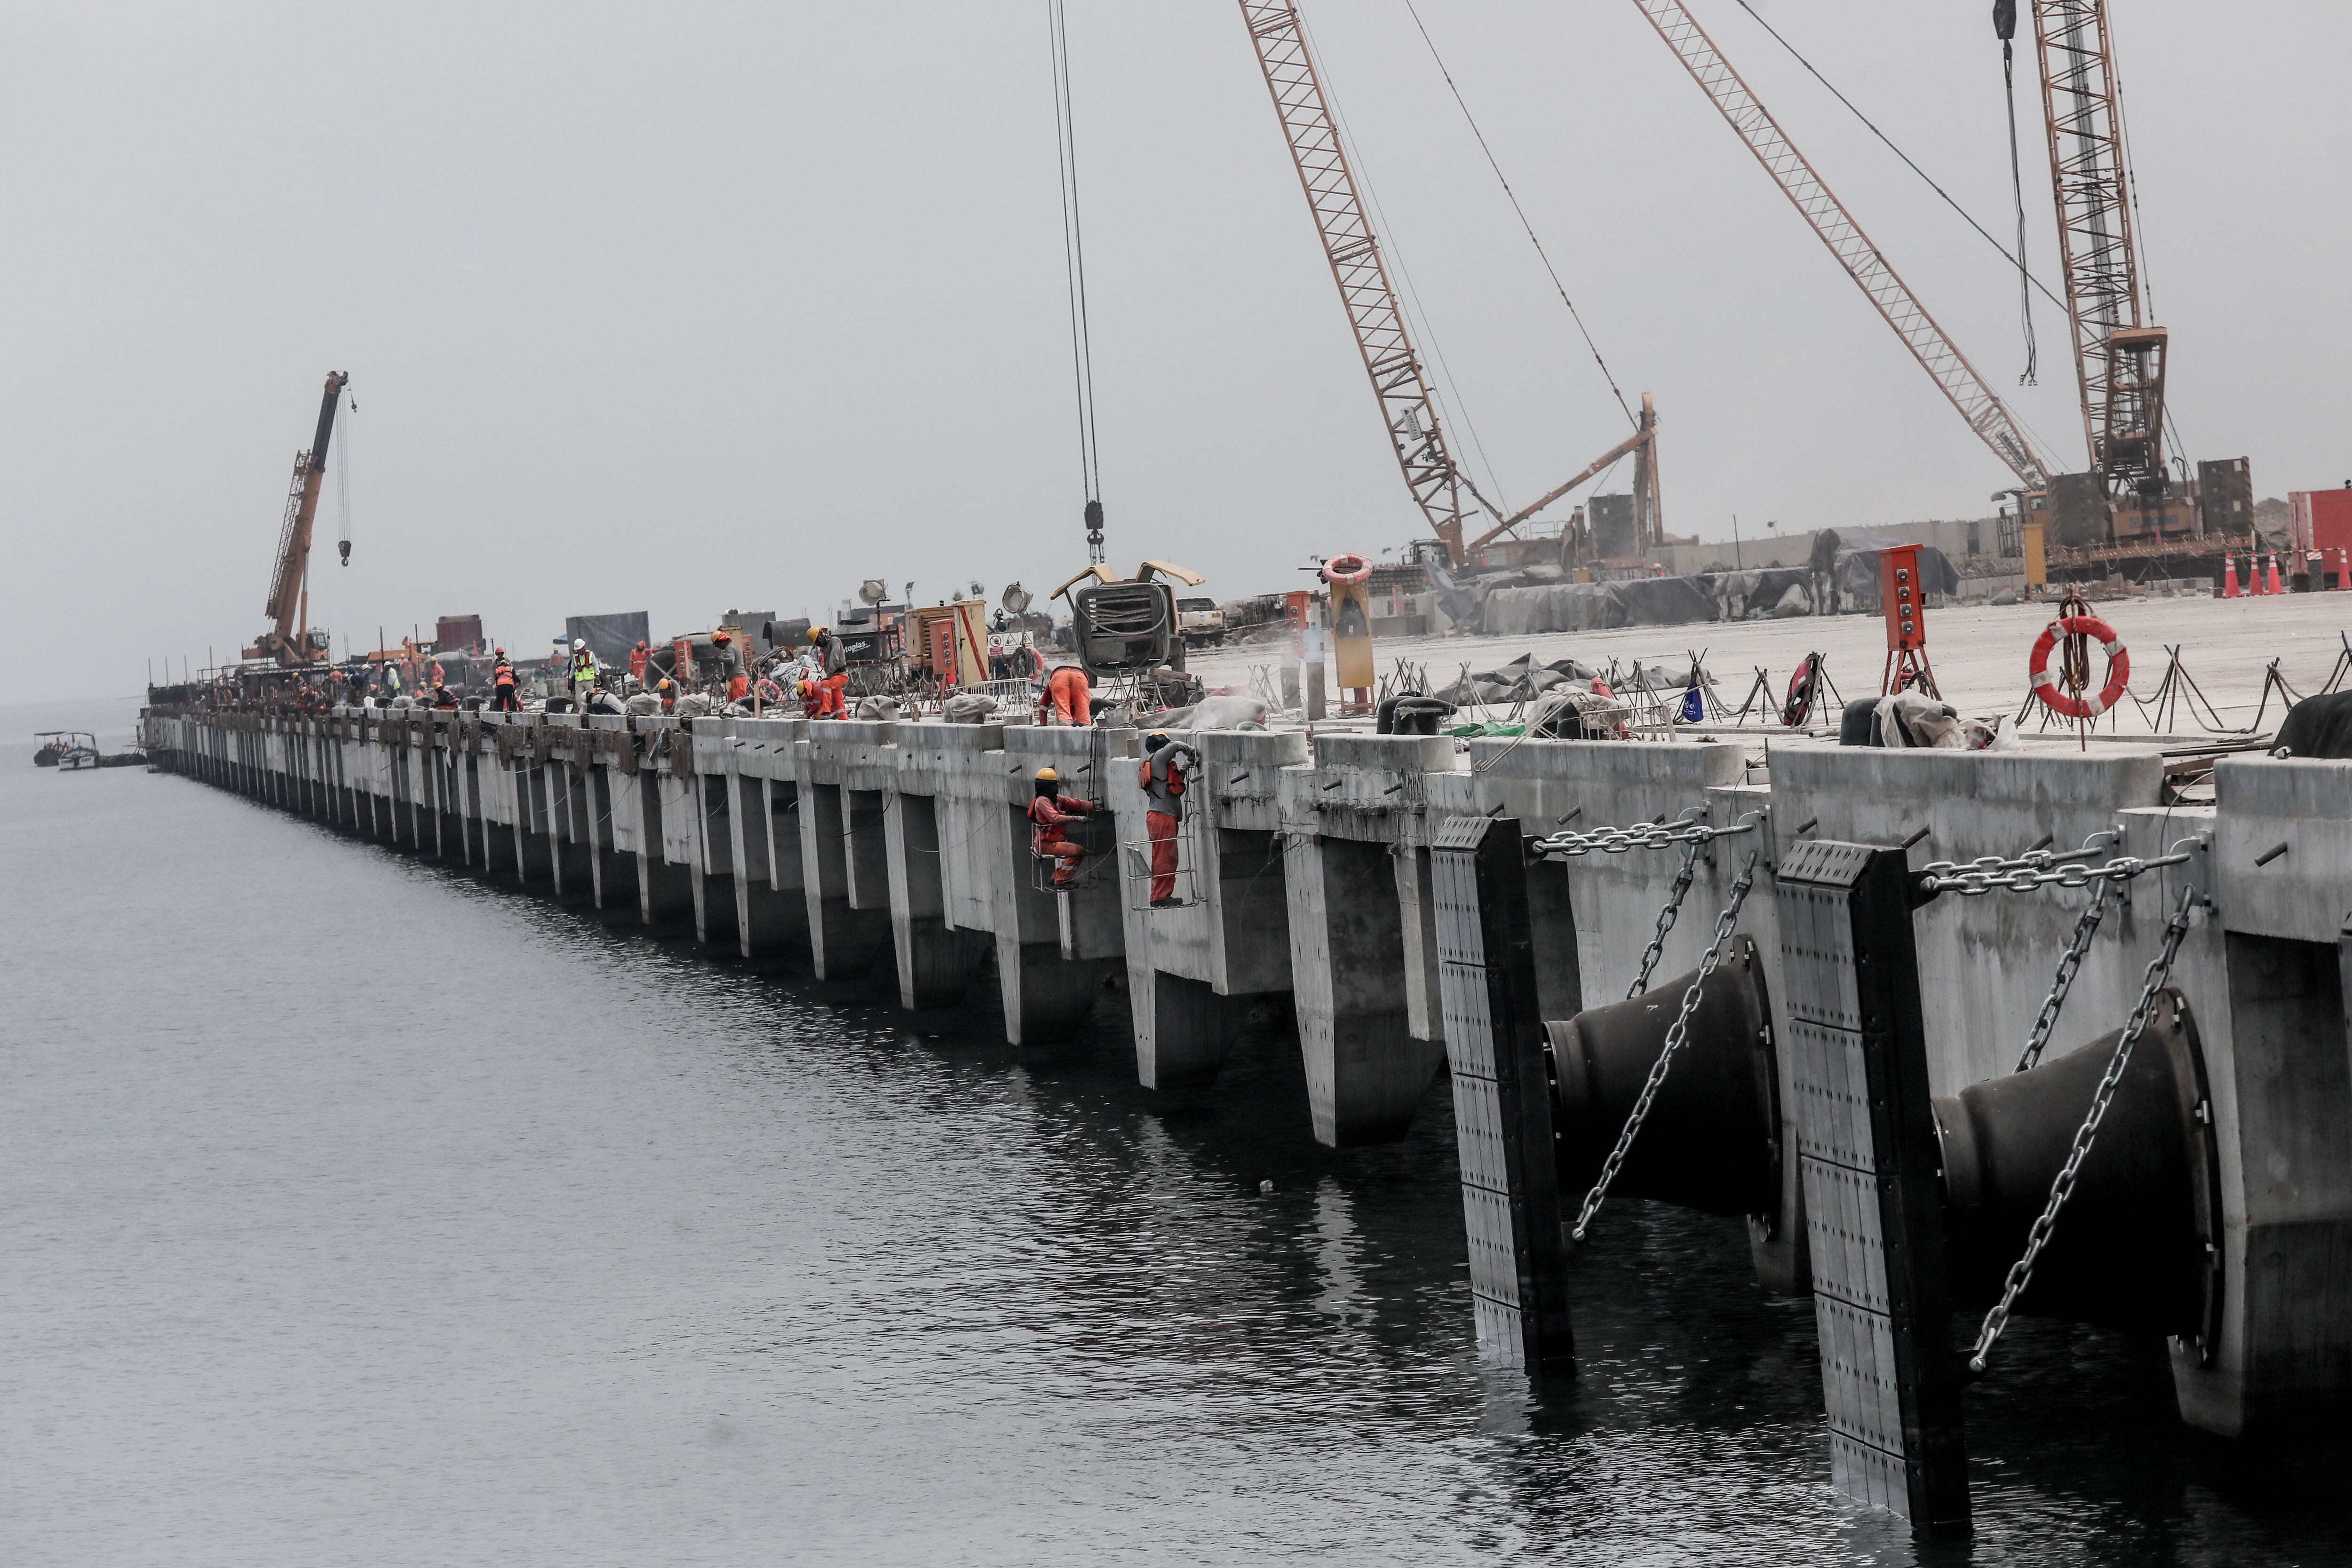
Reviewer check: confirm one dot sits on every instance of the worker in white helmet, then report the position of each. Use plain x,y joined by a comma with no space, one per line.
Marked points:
585,674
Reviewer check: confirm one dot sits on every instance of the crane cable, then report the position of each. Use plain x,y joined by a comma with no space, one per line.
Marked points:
2004,27
343,485
1513,197
1073,268
2016,261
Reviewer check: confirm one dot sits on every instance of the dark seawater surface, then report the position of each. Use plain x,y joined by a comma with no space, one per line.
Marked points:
355,1212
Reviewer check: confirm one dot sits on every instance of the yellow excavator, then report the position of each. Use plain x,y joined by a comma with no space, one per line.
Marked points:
289,639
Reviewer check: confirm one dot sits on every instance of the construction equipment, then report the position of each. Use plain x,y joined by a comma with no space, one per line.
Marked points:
2119,357
1375,315
1936,352
290,641
1126,626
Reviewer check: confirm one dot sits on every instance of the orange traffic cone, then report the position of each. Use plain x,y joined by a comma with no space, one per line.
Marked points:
2274,576
2230,589
2343,570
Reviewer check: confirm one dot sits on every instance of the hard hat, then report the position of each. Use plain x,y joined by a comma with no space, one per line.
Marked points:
500,653
1155,740
578,642
720,637
663,686
1047,775
815,632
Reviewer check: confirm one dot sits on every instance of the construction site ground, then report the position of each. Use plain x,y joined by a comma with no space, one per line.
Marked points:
1979,653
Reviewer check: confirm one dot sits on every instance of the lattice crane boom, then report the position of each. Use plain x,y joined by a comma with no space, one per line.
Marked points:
1936,352
288,599
1374,313
2118,357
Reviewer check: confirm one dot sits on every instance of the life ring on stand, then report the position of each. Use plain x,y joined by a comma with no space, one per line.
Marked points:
769,692
1347,568
2067,703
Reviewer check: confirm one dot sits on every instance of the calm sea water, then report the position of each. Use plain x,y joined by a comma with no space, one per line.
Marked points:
356,1213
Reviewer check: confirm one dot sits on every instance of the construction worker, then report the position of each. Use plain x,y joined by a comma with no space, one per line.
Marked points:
668,695
584,674
1166,768
443,696
358,679
637,657
730,660
387,680
1050,815
833,661
1069,696
503,693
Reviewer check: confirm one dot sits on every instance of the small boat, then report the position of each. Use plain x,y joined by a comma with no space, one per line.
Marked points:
67,750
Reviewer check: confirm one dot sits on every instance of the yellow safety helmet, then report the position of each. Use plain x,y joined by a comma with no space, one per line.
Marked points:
815,632
1047,775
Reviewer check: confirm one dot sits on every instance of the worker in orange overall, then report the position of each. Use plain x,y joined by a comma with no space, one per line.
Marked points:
1166,768
1050,815
637,657
834,662
502,685
1069,696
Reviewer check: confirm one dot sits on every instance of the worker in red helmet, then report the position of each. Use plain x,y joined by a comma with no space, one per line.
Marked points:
503,696
731,666
1069,696
1051,816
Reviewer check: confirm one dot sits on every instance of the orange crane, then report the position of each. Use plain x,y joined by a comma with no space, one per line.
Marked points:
289,640
1437,483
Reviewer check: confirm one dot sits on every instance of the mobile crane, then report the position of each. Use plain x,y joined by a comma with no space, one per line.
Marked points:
289,640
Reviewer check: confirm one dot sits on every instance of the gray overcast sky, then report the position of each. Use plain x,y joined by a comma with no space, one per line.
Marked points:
688,307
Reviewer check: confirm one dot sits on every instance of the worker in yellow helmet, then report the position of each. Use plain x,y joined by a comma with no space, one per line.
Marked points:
832,679
1051,813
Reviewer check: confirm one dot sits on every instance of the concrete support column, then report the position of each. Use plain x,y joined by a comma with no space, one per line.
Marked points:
844,939
1046,996
1366,1074
936,961
714,860
771,915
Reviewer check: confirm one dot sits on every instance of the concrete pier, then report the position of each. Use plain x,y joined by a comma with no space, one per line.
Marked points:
901,852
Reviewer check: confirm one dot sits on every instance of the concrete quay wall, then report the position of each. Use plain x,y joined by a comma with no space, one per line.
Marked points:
898,853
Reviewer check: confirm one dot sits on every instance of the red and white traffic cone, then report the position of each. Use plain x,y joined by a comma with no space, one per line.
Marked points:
2230,589
2274,576
2343,570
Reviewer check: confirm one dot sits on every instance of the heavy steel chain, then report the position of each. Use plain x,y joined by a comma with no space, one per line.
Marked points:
2020,1273
1668,914
1990,874
2069,963
1685,830
1674,1038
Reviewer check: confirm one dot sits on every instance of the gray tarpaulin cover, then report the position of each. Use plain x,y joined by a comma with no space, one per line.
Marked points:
610,637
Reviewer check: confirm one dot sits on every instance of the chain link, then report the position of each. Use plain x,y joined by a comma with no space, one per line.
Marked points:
2020,1273
1990,874
1674,1038
1685,830
1668,914
2069,962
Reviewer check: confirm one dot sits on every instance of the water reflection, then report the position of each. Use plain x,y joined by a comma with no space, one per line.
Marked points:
474,1230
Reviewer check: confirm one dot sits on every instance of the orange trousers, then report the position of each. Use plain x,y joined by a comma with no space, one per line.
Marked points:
1162,827
1067,698
830,704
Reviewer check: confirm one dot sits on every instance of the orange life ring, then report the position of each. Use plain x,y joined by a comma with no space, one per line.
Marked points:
2066,703
1347,568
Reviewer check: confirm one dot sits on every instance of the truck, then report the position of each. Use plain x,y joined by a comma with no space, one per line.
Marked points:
1199,622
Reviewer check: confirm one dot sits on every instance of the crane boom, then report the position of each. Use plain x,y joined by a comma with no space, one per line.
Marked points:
1936,352
287,581
2118,359
1357,267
